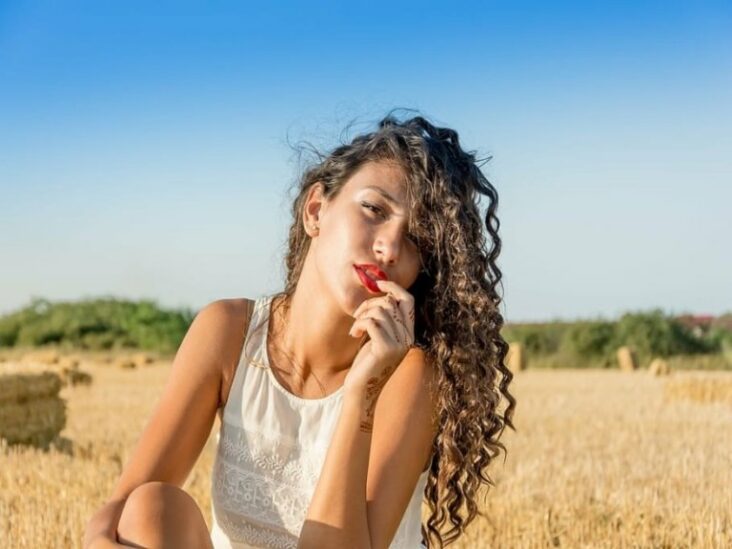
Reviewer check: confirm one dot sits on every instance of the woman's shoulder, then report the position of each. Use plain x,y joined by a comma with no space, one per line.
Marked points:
230,318
230,308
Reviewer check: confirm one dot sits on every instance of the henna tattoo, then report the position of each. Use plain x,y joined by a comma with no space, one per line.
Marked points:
397,320
373,390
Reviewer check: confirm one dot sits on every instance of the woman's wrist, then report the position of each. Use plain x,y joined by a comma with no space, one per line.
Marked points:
362,401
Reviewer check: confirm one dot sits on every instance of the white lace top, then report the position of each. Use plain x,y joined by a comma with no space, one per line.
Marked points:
270,450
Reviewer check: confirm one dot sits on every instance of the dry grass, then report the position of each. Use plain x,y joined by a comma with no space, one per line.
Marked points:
600,459
708,387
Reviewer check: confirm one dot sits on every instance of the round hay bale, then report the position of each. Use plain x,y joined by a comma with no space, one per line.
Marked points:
36,422
516,358
23,387
142,359
659,367
72,375
626,359
125,363
77,377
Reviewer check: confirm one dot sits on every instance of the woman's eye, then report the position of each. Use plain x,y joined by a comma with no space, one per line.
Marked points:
380,212
373,208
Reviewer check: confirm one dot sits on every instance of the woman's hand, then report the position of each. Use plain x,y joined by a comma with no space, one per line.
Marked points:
389,322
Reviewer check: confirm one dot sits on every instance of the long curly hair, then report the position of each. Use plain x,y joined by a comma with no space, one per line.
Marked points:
457,322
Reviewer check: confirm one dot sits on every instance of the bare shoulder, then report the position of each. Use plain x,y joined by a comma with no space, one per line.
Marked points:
229,318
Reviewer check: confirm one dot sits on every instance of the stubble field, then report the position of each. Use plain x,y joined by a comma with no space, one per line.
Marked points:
601,458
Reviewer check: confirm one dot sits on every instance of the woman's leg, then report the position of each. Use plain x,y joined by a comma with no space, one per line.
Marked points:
161,515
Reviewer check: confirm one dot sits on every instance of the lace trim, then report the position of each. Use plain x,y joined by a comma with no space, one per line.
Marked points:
262,487
265,479
240,531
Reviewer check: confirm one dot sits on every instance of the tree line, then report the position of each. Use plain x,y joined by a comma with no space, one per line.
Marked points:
594,343
114,324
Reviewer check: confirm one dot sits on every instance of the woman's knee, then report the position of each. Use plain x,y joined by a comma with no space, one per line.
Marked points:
155,512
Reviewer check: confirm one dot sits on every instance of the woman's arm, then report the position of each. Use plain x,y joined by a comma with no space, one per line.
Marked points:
368,478
182,420
102,527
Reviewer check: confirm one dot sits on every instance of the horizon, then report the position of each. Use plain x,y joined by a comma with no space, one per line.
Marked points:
677,316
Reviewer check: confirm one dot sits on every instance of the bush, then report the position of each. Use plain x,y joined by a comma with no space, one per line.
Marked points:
653,334
96,324
590,340
537,339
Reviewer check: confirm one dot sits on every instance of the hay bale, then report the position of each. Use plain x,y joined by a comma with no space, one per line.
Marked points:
516,358
125,363
23,387
77,377
142,359
659,367
31,411
68,369
627,360
36,422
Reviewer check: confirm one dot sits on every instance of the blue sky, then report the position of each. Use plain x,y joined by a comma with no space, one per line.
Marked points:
144,149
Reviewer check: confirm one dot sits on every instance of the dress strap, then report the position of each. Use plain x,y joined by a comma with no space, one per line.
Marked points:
257,333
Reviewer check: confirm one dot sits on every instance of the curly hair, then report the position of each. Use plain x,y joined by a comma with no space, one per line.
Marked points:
458,322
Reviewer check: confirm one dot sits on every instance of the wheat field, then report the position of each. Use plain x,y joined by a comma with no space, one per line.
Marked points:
601,458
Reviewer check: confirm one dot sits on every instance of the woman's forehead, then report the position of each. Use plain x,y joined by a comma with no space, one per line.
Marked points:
387,177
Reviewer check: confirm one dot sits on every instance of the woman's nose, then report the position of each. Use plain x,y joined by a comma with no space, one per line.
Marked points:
389,245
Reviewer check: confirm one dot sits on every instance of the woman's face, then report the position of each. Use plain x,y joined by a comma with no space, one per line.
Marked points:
363,225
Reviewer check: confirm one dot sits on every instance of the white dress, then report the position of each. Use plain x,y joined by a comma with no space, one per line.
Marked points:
271,447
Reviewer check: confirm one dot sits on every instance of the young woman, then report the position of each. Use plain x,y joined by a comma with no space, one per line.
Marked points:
370,383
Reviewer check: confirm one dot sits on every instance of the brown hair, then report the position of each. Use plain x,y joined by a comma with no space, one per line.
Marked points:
458,321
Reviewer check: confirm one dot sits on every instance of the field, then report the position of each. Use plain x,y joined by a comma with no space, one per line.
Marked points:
600,459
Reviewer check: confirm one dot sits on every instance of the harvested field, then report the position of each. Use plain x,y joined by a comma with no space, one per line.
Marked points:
705,388
602,458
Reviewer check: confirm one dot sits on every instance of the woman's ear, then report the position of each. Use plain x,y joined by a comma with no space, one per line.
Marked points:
314,207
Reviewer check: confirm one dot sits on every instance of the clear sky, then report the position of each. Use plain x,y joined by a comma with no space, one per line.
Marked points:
144,145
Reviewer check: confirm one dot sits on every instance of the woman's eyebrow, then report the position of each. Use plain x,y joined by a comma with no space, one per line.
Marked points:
383,193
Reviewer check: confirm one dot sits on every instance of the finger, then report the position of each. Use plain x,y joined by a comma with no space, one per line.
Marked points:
387,318
393,334
387,303
365,304
372,327
378,313
388,300
390,286
392,306
405,302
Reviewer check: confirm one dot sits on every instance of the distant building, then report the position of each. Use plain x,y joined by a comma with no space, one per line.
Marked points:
698,324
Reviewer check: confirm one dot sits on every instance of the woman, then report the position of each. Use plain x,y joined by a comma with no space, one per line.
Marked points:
373,380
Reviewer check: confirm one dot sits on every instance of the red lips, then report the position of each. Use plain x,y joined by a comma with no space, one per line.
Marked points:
368,272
